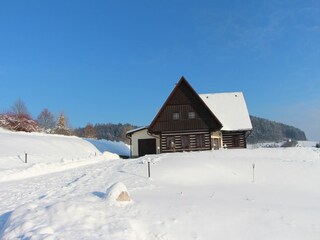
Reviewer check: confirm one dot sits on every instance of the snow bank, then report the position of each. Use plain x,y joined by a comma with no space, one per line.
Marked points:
85,218
13,144
103,145
44,153
306,144
230,166
39,169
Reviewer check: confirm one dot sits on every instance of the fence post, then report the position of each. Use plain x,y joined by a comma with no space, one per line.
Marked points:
253,166
149,169
25,157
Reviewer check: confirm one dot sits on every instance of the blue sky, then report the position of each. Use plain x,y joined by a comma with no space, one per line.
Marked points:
117,61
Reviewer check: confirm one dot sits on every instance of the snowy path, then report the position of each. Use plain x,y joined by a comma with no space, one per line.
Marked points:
64,186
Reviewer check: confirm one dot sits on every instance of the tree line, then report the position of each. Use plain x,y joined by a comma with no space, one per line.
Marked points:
108,131
18,118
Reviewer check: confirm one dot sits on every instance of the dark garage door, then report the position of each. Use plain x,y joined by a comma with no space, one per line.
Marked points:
146,146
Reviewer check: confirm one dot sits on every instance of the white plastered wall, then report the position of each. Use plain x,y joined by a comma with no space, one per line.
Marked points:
142,134
217,135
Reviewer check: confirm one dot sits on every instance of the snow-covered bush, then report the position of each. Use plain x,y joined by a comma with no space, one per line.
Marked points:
22,122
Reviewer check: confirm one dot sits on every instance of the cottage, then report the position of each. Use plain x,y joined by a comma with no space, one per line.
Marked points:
189,121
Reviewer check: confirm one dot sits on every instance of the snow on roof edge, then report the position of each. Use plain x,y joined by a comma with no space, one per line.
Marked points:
226,106
136,130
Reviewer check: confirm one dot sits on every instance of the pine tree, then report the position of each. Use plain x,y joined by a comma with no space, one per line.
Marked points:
61,122
61,128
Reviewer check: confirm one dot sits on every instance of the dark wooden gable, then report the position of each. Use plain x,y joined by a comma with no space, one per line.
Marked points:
184,101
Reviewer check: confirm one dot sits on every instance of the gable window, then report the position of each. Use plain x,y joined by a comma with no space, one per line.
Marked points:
191,115
176,116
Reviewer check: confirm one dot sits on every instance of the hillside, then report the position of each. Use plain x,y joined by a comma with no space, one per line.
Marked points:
31,154
269,131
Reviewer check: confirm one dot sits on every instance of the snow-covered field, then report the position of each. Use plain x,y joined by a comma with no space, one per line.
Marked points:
198,195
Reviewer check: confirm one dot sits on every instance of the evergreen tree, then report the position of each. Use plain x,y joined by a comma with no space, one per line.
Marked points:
61,121
62,128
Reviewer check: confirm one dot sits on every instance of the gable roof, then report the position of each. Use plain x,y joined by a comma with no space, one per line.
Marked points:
230,109
130,132
183,85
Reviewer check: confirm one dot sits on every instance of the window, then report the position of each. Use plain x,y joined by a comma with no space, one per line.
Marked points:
170,143
191,115
185,141
236,141
176,116
200,141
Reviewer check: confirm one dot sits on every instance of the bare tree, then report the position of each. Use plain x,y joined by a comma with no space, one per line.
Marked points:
90,131
46,119
20,109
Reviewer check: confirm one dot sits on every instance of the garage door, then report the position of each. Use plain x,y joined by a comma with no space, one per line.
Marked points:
146,146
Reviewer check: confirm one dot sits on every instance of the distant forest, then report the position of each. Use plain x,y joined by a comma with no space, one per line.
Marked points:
109,131
269,131
263,131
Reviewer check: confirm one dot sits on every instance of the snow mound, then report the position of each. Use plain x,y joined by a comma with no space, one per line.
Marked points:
84,218
109,155
117,193
103,145
24,155
40,145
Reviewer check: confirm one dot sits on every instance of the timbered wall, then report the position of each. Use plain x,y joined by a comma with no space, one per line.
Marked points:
234,139
185,141
183,101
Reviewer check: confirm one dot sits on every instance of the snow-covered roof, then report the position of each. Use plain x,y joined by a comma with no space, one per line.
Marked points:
135,130
230,109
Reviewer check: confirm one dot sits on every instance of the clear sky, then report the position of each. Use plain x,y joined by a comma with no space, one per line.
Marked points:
117,61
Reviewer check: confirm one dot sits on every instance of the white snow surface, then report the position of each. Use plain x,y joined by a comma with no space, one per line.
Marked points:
45,153
230,108
195,195
119,148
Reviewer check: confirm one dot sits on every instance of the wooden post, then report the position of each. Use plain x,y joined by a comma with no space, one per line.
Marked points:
149,169
253,172
25,157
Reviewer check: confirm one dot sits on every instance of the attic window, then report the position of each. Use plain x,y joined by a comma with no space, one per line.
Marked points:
176,116
191,115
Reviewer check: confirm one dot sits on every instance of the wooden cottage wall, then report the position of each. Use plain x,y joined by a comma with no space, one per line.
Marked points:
195,141
234,139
